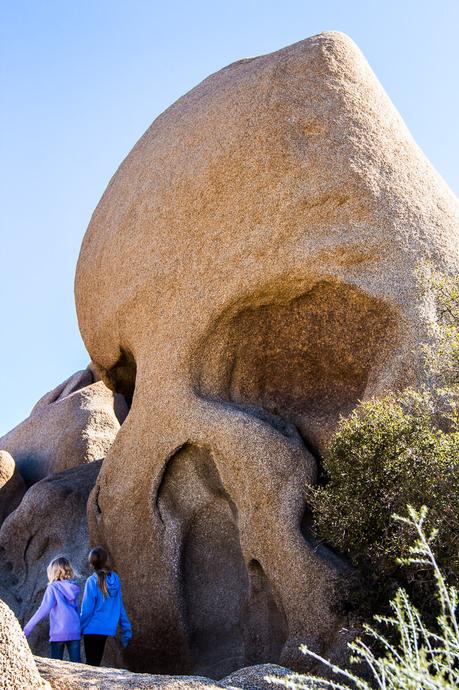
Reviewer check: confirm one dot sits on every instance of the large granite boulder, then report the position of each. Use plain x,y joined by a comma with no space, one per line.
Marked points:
73,424
247,277
18,670
50,521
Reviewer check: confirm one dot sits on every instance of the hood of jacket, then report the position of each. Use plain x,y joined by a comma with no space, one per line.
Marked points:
113,583
66,588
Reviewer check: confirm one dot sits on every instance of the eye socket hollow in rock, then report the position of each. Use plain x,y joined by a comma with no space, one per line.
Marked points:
307,360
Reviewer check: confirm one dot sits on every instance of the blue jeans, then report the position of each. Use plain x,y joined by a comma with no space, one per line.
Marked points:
73,648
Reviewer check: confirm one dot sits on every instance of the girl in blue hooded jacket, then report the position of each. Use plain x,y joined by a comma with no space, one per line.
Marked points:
102,609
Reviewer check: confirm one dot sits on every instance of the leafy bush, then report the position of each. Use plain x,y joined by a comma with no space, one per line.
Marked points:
389,453
407,655
442,356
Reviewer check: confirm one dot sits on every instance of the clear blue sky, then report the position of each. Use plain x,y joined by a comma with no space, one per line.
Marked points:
82,80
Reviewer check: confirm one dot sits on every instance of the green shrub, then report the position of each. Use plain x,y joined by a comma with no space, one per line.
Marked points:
408,655
442,356
389,453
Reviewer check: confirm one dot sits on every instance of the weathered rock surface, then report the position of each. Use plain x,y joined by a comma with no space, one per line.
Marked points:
255,677
63,675
50,521
12,485
18,670
73,424
250,273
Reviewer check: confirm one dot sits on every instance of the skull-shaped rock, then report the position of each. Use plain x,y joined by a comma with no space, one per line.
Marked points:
248,276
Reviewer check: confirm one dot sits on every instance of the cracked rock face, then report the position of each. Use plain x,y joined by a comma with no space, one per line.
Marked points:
247,277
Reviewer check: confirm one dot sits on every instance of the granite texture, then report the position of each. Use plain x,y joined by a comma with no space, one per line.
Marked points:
18,670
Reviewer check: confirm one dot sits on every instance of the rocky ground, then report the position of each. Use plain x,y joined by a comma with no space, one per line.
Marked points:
63,675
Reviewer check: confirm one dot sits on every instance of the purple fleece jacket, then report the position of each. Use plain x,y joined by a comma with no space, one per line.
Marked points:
60,601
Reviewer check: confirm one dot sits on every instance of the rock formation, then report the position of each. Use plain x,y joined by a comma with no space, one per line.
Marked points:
70,429
17,666
65,676
59,449
12,486
248,276
73,424
50,521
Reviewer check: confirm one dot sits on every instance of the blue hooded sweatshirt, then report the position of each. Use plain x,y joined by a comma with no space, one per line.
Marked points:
60,602
101,615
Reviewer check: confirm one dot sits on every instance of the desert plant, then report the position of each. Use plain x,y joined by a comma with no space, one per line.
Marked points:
442,354
408,655
386,454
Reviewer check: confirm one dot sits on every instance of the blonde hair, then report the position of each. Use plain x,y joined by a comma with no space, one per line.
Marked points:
60,569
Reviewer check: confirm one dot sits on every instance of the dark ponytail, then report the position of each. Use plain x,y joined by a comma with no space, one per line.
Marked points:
98,559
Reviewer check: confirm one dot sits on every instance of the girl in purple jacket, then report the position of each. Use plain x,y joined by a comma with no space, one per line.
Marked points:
60,602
